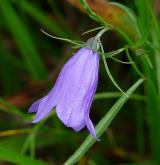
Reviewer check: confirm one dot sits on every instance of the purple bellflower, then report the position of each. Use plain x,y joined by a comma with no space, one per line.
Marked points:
73,92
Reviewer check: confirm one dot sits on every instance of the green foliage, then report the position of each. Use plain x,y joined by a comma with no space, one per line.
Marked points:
14,157
23,41
30,62
44,20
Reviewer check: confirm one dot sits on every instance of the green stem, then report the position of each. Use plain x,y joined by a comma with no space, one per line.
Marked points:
108,95
110,75
155,38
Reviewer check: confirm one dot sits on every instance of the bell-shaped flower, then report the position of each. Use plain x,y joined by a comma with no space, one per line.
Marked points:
73,92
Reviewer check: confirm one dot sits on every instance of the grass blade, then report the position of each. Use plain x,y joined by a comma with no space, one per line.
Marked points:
17,158
44,20
24,41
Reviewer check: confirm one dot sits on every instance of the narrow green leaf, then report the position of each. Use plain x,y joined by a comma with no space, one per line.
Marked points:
17,158
9,108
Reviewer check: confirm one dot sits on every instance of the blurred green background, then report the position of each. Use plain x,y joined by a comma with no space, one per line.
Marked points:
30,62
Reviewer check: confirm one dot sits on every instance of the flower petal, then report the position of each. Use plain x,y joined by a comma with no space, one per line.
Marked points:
43,111
73,92
34,107
44,106
89,99
91,129
71,109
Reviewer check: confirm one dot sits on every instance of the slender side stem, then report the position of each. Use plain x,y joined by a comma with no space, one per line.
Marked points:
110,75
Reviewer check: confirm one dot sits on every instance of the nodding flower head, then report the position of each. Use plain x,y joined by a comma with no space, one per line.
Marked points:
73,92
